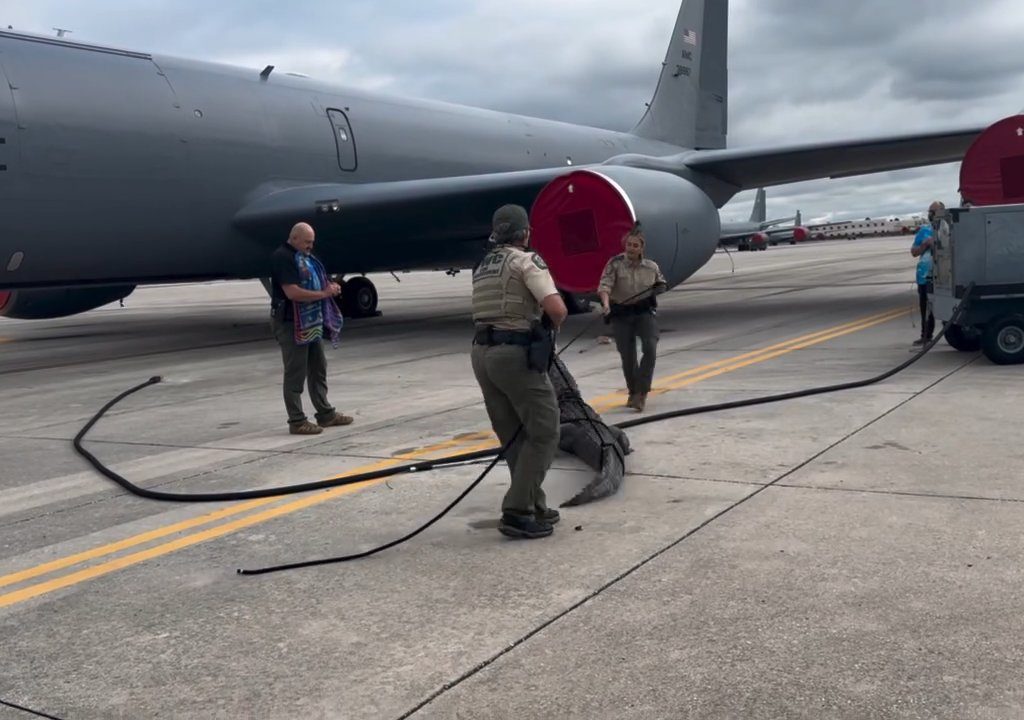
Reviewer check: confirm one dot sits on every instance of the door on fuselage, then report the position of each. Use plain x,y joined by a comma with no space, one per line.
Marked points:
343,139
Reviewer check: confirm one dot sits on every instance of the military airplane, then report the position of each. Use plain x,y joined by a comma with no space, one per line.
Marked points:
757,233
119,168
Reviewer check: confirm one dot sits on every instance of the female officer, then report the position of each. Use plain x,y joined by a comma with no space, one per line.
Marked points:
627,289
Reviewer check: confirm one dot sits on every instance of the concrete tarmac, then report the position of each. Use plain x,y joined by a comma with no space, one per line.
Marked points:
847,555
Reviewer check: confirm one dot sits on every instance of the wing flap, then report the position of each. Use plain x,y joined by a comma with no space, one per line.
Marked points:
755,167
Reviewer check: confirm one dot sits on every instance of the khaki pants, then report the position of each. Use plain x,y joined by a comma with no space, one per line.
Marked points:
514,395
626,330
303,365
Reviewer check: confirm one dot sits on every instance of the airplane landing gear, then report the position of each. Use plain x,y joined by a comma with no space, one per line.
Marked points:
359,298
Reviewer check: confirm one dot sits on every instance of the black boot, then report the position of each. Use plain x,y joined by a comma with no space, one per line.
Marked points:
523,526
548,515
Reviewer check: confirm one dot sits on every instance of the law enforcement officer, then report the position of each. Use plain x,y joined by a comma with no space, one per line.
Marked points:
512,287
627,289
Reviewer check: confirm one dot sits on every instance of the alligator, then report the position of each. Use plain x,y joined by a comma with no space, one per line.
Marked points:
584,434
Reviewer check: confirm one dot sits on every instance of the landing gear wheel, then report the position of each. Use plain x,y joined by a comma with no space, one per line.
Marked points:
359,298
1003,340
962,339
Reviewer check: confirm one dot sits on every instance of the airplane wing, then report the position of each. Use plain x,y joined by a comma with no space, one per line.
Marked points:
772,223
748,168
433,209
460,208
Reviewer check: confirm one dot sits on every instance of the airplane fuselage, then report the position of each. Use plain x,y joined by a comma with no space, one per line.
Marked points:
138,163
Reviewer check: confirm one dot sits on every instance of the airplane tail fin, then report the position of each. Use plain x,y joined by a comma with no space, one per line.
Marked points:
760,212
798,220
690,103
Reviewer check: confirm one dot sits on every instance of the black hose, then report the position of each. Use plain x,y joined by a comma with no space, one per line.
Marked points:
287,489
782,396
642,421
399,541
250,494
454,459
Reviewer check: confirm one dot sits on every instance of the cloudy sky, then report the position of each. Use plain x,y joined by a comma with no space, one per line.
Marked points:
799,69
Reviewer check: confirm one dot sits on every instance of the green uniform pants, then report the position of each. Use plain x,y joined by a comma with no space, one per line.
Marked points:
303,365
514,395
626,330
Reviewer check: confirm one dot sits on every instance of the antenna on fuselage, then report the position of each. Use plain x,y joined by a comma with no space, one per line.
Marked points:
266,72
61,32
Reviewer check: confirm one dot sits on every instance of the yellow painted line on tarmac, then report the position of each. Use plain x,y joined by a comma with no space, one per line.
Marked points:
485,440
664,387
124,561
61,563
618,399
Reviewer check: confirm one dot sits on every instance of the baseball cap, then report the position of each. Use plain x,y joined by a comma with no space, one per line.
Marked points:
508,220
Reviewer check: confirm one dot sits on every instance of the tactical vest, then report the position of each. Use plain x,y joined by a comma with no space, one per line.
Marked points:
500,296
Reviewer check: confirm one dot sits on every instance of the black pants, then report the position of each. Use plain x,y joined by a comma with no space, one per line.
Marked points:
627,329
927,319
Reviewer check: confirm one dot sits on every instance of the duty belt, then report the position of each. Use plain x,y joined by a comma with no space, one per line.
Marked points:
638,308
490,336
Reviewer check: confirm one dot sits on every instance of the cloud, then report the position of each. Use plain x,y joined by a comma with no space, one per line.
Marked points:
799,69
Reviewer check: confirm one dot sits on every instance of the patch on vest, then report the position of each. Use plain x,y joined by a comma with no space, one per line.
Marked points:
489,267
539,262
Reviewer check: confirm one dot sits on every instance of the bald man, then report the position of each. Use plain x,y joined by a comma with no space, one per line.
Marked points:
302,311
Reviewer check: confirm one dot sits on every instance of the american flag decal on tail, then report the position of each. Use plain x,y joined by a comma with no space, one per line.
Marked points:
689,36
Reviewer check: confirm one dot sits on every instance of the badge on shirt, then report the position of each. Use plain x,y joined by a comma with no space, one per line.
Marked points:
539,262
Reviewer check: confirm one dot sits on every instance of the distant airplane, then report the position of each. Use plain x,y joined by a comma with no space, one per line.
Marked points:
119,168
757,233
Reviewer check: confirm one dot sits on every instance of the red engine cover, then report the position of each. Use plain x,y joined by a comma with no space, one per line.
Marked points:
799,233
578,222
992,172
5,297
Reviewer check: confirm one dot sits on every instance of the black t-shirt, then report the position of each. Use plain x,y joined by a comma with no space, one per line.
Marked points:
283,271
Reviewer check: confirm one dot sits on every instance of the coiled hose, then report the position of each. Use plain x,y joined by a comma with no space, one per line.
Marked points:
427,465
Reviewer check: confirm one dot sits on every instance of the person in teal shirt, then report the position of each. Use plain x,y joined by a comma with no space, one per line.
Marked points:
922,249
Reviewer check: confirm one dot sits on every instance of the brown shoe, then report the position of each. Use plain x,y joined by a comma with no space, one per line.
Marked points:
336,419
304,428
641,402
631,403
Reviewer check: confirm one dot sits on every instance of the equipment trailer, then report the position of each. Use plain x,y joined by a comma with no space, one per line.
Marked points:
982,263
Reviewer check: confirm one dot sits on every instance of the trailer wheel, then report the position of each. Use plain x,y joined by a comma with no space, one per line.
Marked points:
1003,340
962,339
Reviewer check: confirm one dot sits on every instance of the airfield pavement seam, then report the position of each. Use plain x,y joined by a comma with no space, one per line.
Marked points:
693,531
669,476
903,493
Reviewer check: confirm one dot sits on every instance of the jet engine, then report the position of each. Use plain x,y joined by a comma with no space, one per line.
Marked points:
800,234
38,304
579,220
759,241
